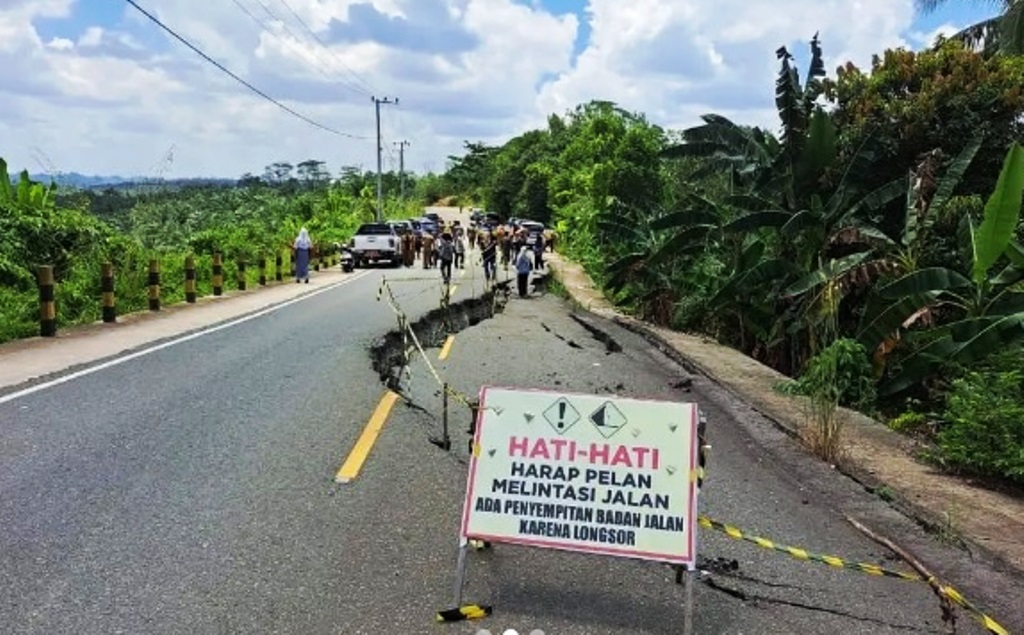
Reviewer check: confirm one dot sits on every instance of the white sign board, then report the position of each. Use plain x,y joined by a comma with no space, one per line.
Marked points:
590,473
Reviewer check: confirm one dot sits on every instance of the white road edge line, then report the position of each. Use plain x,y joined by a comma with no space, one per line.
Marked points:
185,338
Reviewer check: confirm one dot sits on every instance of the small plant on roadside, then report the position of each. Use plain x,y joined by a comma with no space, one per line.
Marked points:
885,493
911,423
842,368
984,429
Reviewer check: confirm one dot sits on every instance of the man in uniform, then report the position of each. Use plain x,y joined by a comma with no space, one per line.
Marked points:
408,249
428,250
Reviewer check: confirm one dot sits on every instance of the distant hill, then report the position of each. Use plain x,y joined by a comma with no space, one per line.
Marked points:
75,180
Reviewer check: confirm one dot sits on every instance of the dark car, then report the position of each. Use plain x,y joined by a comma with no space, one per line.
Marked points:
434,216
533,230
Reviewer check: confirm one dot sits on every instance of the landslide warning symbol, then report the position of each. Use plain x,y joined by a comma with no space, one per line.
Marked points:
608,419
561,415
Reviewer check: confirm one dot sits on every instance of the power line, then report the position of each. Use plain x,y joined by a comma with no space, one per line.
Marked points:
318,67
236,77
369,87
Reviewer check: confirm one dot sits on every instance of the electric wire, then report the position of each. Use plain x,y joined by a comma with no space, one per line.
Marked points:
318,66
238,79
288,30
365,87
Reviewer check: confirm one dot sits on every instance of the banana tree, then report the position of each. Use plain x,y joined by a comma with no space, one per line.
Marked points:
988,304
927,197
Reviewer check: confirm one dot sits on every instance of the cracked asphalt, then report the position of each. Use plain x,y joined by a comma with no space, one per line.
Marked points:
758,480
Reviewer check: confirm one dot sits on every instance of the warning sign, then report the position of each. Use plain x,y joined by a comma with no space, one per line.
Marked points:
623,486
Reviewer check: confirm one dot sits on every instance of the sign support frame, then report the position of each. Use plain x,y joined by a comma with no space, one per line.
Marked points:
461,612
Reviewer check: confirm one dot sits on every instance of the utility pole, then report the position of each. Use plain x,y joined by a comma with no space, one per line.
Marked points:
380,177
401,166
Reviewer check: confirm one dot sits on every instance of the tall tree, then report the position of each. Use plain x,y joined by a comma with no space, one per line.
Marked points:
1003,33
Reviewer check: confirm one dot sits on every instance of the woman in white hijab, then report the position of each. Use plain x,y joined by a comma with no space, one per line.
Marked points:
303,247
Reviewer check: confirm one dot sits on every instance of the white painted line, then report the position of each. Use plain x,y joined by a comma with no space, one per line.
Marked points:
185,338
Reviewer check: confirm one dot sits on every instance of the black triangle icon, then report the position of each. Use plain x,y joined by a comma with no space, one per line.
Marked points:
598,417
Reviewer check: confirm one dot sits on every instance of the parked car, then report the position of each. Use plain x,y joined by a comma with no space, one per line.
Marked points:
533,230
434,216
428,226
402,227
376,242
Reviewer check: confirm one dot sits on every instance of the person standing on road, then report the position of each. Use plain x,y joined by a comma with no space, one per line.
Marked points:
408,254
446,254
460,253
538,251
489,247
428,250
523,267
303,247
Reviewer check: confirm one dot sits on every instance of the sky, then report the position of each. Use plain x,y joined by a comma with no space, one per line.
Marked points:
96,87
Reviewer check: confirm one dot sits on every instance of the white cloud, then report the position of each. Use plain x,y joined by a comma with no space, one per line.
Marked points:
670,58
929,38
463,69
92,37
60,44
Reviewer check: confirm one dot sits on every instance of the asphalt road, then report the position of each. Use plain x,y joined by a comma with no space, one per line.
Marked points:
192,491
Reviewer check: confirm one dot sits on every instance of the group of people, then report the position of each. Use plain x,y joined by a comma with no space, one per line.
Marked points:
448,251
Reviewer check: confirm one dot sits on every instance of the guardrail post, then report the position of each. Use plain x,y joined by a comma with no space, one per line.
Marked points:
107,287
47,306
154,285
240,276
263,271
190,279
218,274
277,267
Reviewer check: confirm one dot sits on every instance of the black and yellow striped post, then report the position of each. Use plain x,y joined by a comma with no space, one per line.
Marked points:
190,279
218,274
154,285
47,302
107,287
277,267
263,271
240,276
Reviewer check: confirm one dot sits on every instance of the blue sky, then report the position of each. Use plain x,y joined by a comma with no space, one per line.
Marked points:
97,88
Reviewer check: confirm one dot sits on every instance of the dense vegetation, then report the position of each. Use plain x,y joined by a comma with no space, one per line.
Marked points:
76,231
872,249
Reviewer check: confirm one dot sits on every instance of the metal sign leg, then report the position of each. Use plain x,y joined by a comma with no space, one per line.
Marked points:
460,612
688,602
460,574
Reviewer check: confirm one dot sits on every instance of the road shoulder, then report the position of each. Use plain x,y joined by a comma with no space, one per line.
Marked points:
35,359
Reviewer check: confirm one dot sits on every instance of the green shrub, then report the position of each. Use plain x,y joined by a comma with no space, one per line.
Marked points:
842,371
984,431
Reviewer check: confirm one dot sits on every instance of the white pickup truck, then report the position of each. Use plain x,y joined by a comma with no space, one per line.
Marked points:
376,242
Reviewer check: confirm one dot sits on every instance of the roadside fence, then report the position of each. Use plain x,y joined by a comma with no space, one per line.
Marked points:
186,284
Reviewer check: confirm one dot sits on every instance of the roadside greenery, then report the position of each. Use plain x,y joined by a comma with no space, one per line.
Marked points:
871,249
76,231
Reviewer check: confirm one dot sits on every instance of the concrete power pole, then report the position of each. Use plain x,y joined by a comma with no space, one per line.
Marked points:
380,177
401,166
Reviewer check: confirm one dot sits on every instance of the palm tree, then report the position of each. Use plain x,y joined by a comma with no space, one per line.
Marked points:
1003,33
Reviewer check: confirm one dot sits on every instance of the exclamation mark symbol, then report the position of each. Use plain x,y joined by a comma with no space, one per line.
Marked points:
561,415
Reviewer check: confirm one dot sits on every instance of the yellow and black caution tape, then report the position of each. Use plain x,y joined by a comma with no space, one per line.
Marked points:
385,291
468,612
871,569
